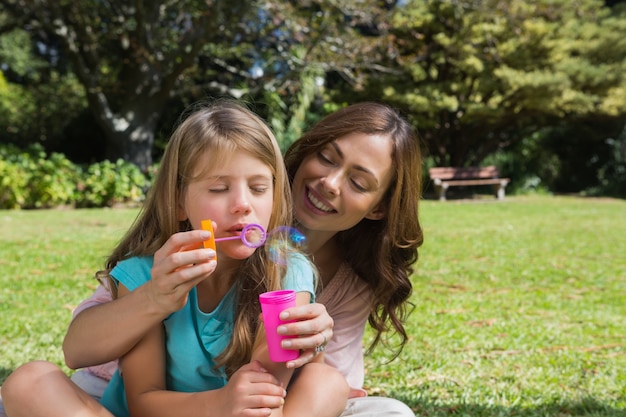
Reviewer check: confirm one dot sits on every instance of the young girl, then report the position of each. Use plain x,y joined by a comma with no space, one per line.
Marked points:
208,358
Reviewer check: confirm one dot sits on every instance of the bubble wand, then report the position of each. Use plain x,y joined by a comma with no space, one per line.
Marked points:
252,235
283,239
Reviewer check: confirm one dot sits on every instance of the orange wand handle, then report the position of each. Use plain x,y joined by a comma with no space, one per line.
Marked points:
209,244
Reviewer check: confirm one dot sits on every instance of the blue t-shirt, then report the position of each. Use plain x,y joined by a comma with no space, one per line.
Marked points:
194,338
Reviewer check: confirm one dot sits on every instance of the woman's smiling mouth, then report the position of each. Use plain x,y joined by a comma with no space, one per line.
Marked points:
317,203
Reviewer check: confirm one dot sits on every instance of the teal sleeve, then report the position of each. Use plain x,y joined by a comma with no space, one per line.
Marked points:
133,272
300,275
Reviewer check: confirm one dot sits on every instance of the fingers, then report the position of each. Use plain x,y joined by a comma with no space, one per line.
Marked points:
187,244
179,265
182,250
308,320
314,328
305,357
254,391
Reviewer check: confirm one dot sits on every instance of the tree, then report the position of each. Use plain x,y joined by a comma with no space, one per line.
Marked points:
32,93
130,57
133,57
478,76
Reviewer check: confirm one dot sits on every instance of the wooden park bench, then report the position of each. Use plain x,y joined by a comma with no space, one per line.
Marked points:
444,177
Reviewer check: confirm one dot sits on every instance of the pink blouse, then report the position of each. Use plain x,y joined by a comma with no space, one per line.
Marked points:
347,300
100,296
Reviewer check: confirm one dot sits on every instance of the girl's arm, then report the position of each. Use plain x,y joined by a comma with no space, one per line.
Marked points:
144,373
108,331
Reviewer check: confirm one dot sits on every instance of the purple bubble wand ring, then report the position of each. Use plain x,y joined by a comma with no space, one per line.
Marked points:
252,235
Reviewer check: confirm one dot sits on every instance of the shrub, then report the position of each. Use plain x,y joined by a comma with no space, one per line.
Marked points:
13,179
31,179
106,184
52,181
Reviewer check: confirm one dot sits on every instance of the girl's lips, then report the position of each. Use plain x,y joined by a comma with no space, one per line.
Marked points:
315,201
236,229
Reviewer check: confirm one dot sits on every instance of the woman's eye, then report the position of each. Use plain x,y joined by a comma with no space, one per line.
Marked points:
324,158
218,189
359,185
259,190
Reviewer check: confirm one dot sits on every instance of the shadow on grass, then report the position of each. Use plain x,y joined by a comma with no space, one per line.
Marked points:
587,407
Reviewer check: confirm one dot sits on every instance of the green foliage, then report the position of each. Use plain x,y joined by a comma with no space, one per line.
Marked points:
107,183
16,54
131,58
476,77
612,174
17,108
13,179
288,116
531,167
36,99
32,179
52,180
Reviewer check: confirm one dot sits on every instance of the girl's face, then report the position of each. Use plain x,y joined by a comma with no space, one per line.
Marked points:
342,183
239,192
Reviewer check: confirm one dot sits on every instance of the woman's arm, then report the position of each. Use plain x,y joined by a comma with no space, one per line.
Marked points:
108,331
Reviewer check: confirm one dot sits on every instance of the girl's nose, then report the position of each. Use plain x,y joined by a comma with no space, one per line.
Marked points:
240,200
241,204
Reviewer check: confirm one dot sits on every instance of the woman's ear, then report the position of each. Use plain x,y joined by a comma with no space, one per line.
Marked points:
377,213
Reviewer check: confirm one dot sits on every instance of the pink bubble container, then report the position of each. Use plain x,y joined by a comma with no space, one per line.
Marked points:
272,304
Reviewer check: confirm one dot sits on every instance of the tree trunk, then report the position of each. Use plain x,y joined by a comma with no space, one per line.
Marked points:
130,134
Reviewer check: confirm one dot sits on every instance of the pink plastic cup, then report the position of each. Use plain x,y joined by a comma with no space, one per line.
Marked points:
272,303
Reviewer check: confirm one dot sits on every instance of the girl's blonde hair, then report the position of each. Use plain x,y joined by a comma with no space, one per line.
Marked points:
218,130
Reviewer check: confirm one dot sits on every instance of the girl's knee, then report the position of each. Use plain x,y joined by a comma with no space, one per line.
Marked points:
25,379
327,378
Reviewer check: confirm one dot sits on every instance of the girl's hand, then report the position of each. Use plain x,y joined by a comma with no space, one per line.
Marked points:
314,328
179,265
251,392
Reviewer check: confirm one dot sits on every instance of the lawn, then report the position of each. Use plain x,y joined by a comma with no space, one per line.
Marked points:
519,305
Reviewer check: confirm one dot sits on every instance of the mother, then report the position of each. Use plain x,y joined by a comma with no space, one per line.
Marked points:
356,181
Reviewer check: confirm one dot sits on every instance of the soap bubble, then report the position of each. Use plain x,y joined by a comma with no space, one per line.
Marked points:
281,242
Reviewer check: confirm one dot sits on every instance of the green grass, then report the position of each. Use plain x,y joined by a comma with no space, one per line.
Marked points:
520,305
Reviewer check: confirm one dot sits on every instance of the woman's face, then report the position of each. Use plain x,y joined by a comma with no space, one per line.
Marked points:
342,183
237,193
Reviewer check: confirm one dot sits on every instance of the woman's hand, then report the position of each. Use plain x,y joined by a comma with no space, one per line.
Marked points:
252,392
179,265
314,328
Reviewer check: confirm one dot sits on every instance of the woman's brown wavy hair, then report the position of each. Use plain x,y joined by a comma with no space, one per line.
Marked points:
382,252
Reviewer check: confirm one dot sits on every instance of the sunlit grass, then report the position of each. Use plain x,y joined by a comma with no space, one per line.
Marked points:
520,309
520,305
